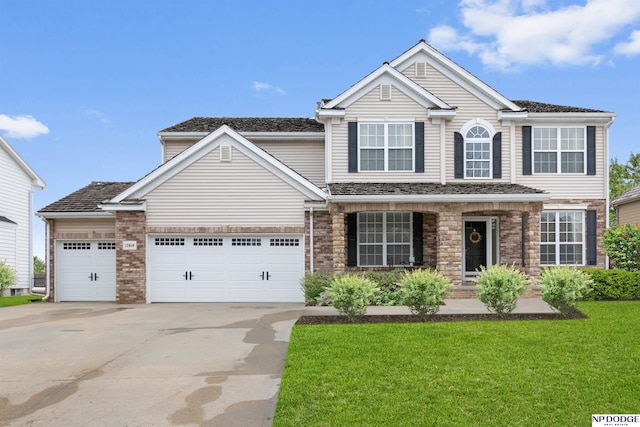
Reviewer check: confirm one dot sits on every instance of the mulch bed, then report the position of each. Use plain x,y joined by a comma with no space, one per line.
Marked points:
401,318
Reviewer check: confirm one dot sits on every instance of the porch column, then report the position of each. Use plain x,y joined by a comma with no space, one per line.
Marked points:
532,245
131,273
449,243
338,240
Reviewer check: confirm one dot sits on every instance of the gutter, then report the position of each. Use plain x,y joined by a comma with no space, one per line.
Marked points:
437,198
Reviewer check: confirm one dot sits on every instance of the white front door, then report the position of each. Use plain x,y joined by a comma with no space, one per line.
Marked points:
85,270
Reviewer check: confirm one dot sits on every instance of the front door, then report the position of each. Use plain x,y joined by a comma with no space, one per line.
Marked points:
475,239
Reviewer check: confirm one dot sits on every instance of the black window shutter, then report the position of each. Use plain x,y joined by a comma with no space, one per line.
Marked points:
526,150
353,146
591,150
352,239
417,237
419,147
497,155
458,154
592,226
524,239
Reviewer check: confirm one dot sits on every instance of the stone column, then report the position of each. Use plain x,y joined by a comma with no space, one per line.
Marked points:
131,272
449,245
532,244
338,240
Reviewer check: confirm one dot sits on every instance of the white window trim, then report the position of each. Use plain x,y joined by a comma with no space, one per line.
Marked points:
492,131
557,243
558,150
384,242
386,145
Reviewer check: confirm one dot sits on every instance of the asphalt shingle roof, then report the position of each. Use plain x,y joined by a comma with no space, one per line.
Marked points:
423,188
88,198
541,107
248,124
628,196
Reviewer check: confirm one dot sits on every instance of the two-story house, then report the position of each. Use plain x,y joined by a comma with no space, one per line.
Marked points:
418,164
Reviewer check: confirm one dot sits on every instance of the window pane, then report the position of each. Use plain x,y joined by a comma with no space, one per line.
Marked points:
400,135
570,254
371,135
477,132
545,139
370,255
545,162
400,160
548,227
572,162
398,254
547,254
572,139
371,160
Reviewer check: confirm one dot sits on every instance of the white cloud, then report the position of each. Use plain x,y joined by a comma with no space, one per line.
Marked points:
98,115
21,127
266,87
630,48
506,34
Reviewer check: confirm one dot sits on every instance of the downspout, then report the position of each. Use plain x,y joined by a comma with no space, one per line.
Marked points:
47,257
606,180
311,240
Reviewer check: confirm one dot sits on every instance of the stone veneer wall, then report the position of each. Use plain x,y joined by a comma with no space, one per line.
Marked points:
131,274
322,241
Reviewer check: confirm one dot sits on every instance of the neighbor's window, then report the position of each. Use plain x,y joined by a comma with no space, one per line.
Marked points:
386,146
477,153
384,238
558,150
562,238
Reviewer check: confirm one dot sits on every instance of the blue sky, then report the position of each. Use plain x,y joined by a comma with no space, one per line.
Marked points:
86,85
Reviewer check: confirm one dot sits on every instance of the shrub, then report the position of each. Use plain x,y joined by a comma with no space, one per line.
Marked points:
313,284
8,276
423,291
562,287
613,284
499,287
622,244
350,294
387,283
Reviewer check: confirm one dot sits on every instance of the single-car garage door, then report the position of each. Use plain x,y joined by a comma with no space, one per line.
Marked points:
85,271
226,269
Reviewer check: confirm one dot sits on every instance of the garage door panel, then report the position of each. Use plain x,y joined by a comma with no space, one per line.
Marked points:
85,271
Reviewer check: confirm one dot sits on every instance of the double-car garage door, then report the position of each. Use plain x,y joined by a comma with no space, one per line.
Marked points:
259,268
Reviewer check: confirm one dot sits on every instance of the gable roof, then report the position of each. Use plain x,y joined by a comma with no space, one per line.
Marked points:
628,196
248,124
540,107
88,198
36,181
207,144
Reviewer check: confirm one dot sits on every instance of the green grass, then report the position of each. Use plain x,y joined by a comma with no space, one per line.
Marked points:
25,299
504,373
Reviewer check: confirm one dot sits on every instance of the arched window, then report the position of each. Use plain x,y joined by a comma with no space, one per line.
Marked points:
477,152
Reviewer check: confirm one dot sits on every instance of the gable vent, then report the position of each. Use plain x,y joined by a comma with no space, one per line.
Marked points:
385,92
225,153
421,69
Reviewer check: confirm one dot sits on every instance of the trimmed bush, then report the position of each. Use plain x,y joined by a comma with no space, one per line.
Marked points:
8,276
562,287
613,284
424,291
622,244
350,294
387,283
499,288
313,284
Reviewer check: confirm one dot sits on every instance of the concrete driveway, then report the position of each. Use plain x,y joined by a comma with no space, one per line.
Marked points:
101,364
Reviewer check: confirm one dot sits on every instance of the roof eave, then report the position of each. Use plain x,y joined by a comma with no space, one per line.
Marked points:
438,198
71,215
574,117
254,136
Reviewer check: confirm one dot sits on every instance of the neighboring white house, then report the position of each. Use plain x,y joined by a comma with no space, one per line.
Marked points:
17,184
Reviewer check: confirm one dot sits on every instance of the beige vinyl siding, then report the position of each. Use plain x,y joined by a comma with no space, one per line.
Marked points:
15,204
173,148
85,226
304,157
211,193
629,213
567,186
400,107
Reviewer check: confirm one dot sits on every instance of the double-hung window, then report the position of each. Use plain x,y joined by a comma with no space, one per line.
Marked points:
562,238
384,238
559,150
477,148
386,146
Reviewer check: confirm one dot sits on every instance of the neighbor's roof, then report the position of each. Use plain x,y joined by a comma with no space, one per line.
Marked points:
5,219
88,198
541,107
628,196
248,124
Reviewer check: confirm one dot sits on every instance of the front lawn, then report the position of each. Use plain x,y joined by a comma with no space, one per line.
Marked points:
25,299
498,373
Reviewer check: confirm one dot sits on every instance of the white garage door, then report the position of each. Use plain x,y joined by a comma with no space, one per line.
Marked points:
86,271
226,269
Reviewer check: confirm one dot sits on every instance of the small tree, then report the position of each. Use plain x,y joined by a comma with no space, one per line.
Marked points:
8,276
350,294
38,265
499,288
424,291
622,244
